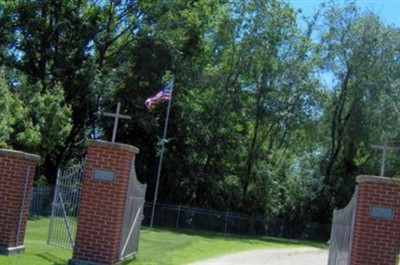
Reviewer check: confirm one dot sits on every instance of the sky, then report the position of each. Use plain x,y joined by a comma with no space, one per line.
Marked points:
388,10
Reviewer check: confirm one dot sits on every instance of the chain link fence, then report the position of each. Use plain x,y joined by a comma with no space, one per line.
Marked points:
188,217
196,218
42,197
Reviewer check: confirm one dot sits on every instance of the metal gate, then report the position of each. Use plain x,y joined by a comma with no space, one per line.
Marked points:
342,233
63,220
133,216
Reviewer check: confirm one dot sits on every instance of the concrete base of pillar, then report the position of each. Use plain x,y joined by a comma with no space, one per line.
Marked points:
12,250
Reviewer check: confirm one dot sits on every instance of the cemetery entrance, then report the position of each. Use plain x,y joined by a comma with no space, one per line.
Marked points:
100,195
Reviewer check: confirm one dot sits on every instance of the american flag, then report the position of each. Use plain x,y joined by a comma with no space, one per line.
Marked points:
163,95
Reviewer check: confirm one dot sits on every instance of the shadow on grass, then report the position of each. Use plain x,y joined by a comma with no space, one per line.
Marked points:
52,258
244,238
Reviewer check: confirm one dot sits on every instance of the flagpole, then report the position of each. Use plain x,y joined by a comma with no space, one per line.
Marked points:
162,153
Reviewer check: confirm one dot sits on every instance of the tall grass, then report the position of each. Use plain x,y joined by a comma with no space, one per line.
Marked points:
156,246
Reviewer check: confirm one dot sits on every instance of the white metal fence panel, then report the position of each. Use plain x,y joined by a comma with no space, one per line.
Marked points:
63,222
133,216
342,234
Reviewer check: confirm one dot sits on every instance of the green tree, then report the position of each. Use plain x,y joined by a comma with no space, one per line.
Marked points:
11,113
33,122
169,39
359,52
46,43
252,93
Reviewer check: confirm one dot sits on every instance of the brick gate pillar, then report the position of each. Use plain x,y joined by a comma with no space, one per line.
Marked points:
102,203
17,170
376,237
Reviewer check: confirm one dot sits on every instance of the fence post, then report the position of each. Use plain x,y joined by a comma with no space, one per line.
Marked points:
226,222
178,216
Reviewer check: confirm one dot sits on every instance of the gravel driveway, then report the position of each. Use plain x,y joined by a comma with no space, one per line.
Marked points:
293,256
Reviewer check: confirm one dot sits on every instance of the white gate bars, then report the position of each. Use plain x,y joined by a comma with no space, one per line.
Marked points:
63,223
133,216
21,211
341,239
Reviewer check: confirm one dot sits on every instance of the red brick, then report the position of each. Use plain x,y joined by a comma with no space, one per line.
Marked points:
375,241
13,169
102,204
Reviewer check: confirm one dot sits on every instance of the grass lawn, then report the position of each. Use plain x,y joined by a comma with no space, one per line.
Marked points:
156,246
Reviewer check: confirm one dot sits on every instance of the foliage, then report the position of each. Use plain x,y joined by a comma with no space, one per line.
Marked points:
255,125
31,119
8,105
359,52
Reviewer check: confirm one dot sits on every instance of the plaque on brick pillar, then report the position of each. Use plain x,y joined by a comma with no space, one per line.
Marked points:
383,213
103,174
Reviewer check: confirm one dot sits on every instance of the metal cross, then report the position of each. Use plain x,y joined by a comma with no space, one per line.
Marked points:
384,148
116,117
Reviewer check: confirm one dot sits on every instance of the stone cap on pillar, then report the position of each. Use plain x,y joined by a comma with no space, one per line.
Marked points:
19,154
377,179
126,147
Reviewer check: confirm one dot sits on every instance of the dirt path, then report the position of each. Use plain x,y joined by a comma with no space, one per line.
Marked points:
294,256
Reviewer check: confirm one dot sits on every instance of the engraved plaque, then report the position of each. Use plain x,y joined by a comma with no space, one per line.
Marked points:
384,213
102,174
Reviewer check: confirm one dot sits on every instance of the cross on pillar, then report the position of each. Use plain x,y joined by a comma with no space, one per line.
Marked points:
116,116
384,148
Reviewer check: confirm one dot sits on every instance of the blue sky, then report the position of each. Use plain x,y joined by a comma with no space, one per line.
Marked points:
388,10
